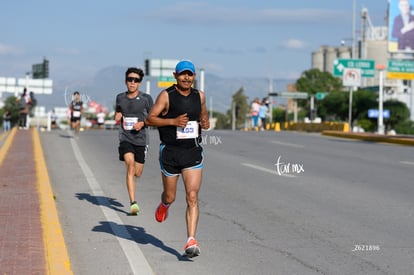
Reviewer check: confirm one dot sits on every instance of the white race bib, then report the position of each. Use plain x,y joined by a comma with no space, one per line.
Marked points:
189,131
129,122
76,113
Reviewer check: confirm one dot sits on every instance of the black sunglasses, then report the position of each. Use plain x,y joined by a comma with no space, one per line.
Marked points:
133,79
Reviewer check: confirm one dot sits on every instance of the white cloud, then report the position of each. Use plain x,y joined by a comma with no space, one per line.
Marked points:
9,50
293,44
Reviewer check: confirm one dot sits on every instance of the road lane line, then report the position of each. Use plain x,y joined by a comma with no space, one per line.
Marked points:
136,259
273,172
407,162
6,146
56,253
288,144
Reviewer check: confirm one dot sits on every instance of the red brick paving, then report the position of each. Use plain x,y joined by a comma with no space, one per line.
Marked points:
21,242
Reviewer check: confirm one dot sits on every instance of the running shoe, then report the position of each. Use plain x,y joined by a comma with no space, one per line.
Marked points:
191,249
134,208
161,213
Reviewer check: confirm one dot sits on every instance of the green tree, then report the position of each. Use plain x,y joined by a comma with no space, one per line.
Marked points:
11,104
399,113
223,121
362,101
313,81
334,107
239,100
405,127
279,115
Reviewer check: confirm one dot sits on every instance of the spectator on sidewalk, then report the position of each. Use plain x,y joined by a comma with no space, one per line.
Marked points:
23,103
263,113
6,120
254,110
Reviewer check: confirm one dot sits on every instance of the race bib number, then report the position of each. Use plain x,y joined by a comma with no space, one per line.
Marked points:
129,122
76,113
189,131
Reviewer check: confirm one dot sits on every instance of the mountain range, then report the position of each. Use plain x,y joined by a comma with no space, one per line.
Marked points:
109,81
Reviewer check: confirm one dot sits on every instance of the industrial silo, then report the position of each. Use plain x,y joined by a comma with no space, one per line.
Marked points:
318,59
345,52
377,51
331,54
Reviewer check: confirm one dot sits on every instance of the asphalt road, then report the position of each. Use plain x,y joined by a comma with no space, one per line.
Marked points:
270,203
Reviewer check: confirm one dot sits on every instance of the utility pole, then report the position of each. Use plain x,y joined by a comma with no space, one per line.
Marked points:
381,69
270,101
353,28
233,115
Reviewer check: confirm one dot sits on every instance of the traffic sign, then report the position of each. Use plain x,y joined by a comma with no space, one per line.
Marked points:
400,69
320,95
294,95
367,66
373,113
351,77
166,81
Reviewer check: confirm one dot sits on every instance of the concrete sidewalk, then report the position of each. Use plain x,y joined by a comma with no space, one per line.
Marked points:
31,240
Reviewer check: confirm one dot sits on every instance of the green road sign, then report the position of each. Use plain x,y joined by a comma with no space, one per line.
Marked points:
400,69
166,79
320,95
367,66
295,95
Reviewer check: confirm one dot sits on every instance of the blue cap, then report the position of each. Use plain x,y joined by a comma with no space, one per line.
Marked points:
185,65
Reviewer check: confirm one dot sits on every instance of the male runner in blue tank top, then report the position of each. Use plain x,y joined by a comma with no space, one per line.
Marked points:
180,113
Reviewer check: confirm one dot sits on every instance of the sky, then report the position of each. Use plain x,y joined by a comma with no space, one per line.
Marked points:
228,38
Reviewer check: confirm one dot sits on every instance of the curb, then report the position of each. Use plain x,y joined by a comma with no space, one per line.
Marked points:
401,140
56,255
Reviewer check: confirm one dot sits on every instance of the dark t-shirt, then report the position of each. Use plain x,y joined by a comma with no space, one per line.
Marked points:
76,109
137,107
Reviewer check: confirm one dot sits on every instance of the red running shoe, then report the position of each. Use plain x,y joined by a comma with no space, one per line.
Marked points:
161,213
191,249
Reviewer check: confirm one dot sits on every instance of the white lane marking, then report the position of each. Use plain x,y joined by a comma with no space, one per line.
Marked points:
288,144
136,259
273,172
407,162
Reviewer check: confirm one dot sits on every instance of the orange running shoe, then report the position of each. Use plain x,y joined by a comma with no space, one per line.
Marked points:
161,213
191,249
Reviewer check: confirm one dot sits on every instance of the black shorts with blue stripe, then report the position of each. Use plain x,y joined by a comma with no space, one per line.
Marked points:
175,159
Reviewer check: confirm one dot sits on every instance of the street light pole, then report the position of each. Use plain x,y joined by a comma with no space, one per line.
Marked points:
380,99
351,89
353,28
233,116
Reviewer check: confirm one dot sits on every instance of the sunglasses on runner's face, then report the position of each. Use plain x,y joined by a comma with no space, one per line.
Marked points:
133,79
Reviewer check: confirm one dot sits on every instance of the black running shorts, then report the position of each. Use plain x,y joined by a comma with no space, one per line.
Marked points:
138,151
173,159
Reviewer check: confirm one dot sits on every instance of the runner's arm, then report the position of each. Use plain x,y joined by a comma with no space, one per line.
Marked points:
161,107
204,121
